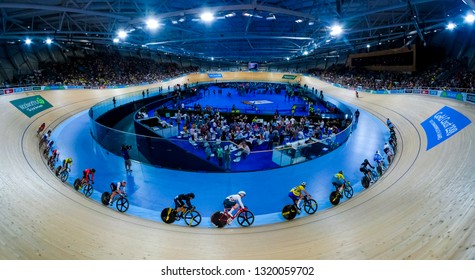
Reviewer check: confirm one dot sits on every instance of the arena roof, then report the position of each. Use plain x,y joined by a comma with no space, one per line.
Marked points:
258,31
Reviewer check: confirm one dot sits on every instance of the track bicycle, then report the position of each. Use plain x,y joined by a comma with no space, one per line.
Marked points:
191,217
366,181
83,186
121,201
336,195
290,211
244,217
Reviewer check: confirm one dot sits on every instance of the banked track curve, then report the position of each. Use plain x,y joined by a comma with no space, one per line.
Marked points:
423,207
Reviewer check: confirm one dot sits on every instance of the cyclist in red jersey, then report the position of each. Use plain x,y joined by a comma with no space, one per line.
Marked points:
88,174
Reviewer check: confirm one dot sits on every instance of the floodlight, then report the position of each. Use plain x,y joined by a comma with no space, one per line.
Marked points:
152,24
207,17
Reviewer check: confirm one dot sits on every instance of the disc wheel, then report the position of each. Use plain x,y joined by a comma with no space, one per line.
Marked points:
105,197
218,219
365,182
122,204
289,212
245,218
168,215
77,183
192,218
334,198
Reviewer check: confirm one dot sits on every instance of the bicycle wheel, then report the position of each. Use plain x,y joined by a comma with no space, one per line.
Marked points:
87,189
168,215
105,197
335,197
310,206
218,219
192,218
77,183
56,172
348,190
64,176
289,212
246,218
365,182
122,204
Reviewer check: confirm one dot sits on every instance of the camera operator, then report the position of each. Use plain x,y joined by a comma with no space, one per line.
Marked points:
125,153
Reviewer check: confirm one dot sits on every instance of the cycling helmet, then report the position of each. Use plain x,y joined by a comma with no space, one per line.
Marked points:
191,195
93,170
303,184
242,193
366,160
341,172
123,182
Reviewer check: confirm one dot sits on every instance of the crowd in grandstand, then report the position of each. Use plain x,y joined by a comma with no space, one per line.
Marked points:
449,74
104,69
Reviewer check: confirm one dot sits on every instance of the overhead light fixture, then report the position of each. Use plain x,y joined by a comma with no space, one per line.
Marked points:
288,58
182,19
311,23
122,34
174,22
336,30
152,24
233,14
470,18
368,46
207,17
28,41
115,40
305,53
49,41
299,20
451,26
246,14
270,17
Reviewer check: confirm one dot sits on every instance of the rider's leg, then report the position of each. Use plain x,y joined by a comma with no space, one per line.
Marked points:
232,209
111,198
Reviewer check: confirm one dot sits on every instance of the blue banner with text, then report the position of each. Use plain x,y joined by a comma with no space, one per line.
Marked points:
443,125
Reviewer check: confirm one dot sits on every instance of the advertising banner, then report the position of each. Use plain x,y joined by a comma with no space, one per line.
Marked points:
433,92
408,90
452,95
215,75
416,91
425,91
8,91
31,105
471,97
27,89
289,77
443,125
37,88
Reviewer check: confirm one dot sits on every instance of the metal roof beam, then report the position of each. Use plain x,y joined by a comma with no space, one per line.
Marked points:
61,9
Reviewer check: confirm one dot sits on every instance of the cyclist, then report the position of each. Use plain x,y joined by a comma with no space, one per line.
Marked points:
296,194
67,163
55,155
233,201
117,189
180,201
41,128
378,158
389,152
88,174
365,170
390,124
339,180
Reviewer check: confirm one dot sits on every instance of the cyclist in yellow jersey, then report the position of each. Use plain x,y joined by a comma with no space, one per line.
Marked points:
296,194
340,180
67,163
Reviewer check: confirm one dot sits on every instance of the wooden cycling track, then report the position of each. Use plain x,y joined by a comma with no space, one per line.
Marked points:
423,207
